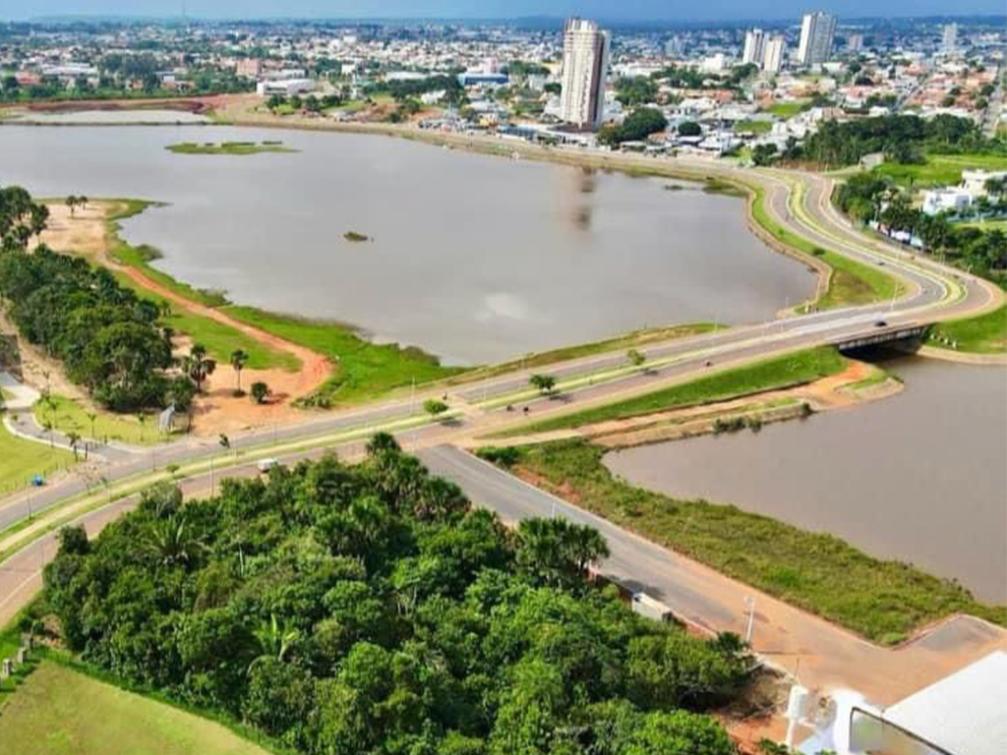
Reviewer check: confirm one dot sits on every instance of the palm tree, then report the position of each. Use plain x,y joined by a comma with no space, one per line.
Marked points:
239,358
73,438
199,366
92,416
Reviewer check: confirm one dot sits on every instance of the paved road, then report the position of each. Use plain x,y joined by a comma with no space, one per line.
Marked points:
827,656
691,590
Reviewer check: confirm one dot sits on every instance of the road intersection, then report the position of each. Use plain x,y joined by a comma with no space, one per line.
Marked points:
797,201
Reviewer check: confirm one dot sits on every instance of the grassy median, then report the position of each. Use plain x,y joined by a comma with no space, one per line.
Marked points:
850,282
777,373
883,600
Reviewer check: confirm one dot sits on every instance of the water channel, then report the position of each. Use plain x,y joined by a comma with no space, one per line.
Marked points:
919,477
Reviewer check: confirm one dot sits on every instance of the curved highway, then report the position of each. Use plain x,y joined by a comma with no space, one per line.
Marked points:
798,201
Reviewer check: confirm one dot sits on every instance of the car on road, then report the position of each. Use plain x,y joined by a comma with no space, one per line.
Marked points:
265,465
881,324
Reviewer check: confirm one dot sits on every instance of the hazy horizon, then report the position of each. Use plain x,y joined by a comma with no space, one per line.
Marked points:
627,11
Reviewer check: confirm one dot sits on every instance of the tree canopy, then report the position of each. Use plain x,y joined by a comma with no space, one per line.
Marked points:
371,609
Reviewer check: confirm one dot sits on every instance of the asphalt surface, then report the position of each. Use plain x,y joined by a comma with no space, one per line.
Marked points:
651,568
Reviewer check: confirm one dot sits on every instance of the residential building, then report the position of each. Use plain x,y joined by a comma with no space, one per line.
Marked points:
585,67
817,32
772,57
855,43
949,41
674,47
755,41
945,200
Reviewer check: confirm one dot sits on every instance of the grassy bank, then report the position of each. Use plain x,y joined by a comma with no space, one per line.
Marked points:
364,370
59,710
227,148
985,334
21,459
850,283
882,600
771,374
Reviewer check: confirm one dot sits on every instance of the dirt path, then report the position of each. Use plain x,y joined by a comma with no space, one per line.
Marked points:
85,232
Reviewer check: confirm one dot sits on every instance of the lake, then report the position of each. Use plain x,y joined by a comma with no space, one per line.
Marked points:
474,258
919,477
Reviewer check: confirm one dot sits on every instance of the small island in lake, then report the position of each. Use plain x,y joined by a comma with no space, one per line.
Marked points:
227,148
356,237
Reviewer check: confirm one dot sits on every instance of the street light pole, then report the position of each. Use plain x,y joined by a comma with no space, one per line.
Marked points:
750,602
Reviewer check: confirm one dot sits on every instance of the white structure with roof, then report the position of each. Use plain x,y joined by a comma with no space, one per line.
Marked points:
964,713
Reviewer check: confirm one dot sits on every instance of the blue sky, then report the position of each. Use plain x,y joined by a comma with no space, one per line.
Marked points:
668,10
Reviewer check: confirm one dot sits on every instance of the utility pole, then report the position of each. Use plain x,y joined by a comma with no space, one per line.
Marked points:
750,603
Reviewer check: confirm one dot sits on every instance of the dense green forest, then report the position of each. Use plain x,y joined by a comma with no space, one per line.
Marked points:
371,609
903,139
108,338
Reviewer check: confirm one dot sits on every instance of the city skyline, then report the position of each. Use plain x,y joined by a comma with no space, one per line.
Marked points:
630,11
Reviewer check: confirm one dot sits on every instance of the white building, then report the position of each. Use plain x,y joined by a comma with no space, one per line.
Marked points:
949,41
937,201
962,713
772,58
974,181
755,42
855,42
585,66
674,47
817,32
285,87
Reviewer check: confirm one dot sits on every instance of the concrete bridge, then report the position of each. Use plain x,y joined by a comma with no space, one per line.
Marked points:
882,335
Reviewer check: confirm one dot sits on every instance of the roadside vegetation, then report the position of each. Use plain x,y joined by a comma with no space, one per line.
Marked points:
70,416
344,609
985,334
868,197
630,340
58,710
228,148
777,373
20,460
885,601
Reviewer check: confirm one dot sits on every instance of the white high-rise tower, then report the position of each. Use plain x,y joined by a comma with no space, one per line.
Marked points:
772,59
817,31
755,42
950,41
585,66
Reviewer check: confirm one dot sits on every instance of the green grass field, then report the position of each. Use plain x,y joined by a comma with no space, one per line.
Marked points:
753,126
786,109
986,334
940,170
227,148
771,374
21,459
363,370
883,600
68,415
60,711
